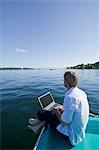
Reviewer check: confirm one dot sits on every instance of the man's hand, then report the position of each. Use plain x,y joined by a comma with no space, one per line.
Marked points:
58,109
61,108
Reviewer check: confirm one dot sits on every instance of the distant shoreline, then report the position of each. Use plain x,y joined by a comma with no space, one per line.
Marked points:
19,68
16,68
80,66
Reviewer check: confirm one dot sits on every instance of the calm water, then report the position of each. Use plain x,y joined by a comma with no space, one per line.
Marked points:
19,91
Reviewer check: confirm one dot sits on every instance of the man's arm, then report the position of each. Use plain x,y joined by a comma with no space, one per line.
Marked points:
58,111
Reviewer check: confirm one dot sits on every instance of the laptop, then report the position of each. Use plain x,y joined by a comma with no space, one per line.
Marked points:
47,101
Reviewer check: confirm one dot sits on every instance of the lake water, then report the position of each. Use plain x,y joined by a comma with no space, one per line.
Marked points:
18,99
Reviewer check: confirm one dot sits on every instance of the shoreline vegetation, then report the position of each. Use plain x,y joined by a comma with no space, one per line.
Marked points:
80,66
87,66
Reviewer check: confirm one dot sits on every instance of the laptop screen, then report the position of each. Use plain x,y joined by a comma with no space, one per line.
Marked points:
46,100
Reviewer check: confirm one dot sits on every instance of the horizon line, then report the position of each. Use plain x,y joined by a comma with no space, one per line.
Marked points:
49,67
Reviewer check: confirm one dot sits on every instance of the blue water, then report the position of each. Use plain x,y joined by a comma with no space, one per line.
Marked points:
18,98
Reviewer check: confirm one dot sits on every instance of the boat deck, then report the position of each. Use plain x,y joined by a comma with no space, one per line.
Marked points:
51,139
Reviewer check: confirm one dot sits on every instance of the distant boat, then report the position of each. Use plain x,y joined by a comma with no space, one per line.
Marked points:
50,139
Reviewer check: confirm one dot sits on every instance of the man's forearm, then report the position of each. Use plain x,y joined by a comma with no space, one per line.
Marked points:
58,114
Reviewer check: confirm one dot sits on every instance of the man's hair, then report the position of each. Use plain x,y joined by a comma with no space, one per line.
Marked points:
71,78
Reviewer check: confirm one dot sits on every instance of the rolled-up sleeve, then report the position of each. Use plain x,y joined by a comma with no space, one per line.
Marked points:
69,109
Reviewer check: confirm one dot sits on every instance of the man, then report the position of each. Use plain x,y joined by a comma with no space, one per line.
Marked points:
72,118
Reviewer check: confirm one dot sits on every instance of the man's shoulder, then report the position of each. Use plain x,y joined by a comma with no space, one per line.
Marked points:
76,95
81,91
78,90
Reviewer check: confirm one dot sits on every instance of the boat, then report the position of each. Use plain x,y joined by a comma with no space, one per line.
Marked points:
51,139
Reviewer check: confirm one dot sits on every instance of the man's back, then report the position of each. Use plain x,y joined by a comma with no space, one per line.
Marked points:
76,112
80,118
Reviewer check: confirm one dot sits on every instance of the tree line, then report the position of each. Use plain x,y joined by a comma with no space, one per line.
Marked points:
87,66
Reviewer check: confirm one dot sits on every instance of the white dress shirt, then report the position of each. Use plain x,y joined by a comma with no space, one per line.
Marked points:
76,112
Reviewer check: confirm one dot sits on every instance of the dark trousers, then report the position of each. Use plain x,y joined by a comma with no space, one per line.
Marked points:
48,116
51,119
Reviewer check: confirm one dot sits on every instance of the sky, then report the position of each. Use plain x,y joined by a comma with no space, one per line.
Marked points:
46,33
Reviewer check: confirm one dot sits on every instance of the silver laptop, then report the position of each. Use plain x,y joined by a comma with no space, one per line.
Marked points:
47,102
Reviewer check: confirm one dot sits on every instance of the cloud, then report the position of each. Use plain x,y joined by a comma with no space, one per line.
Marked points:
21,50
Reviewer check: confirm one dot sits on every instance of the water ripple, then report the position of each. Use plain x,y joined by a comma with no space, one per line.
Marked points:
19,91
